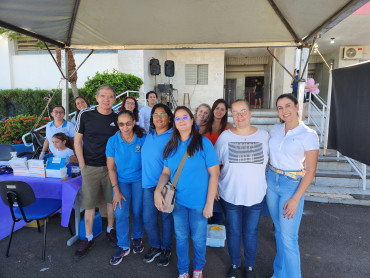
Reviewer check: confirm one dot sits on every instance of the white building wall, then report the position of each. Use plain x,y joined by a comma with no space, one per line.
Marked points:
39,70
5,65
132,62
281,79
199,93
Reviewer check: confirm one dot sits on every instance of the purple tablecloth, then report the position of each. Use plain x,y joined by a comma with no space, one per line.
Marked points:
44,188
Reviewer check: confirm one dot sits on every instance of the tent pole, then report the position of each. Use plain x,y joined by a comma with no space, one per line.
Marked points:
328,109
305,51
65,93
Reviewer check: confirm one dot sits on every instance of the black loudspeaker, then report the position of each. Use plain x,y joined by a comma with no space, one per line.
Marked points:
155,67
169,68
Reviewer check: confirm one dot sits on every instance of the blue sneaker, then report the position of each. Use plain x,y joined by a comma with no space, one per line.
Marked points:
117,258
138,246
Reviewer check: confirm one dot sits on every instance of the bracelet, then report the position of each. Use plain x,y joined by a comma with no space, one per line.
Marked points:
115,185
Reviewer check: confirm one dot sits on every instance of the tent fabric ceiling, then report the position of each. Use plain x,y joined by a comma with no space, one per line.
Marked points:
127,24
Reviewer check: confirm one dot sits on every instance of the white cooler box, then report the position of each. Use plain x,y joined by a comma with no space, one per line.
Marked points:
216,235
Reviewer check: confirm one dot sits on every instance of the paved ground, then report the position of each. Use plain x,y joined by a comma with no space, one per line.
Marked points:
334,240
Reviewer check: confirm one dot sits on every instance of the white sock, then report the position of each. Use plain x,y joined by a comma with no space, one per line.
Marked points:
109,229
89,237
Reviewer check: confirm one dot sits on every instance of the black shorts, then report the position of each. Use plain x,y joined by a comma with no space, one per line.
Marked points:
258,95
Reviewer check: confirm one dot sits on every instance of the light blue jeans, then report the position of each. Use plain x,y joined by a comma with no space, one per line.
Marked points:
190,221
132,191
280,189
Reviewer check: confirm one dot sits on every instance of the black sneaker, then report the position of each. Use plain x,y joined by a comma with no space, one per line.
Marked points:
164,258
233,271
152,254
84,248
249,272
138,246
112,237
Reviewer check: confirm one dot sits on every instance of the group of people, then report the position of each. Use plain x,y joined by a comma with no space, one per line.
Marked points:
229,170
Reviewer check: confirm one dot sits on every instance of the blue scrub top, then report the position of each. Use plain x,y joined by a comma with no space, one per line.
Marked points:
152,157
192,187
126,156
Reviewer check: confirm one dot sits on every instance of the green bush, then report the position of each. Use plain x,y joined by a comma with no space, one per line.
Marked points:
31,102
119,81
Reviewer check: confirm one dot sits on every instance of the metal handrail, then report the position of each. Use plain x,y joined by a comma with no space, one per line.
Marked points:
322,113
125,93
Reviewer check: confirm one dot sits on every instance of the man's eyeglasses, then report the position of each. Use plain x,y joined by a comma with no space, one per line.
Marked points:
241,113
162,115
128,124
184,118
58,112
130,102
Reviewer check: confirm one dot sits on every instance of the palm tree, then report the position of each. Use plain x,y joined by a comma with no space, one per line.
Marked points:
71,68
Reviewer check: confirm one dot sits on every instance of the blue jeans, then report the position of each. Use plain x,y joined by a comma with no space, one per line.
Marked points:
150,217
280,189
218,215
242,221
190,221
134,191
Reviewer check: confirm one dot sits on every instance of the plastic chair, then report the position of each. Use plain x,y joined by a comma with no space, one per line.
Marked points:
5,151
23,204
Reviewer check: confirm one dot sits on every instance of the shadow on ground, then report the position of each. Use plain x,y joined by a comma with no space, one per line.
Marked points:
334,242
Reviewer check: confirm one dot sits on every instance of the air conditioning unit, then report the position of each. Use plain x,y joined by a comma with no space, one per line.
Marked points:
352,52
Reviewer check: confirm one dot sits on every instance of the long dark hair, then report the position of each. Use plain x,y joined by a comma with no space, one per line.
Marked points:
136,109
78,111
212,116
137,129
168,112
63,137
289,96
196,142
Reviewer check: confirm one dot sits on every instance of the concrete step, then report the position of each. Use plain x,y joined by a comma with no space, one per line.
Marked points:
329,152
268,127
340,179
333,164
327,194
265,120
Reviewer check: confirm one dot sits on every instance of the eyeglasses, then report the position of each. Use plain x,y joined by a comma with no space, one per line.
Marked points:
128,124
130,102
241,113
58,112
184,118
162,115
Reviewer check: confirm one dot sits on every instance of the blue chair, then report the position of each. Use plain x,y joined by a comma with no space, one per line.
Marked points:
23,204
5,150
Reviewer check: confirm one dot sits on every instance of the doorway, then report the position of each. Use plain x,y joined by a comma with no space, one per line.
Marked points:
249,85
230,91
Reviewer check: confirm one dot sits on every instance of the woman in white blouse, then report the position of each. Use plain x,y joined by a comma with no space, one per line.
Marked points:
291,143
243,154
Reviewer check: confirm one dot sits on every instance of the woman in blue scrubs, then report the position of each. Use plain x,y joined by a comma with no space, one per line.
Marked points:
123,153
195,192
160,132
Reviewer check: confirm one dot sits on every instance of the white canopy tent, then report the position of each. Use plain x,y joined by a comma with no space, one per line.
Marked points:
147,24
173,24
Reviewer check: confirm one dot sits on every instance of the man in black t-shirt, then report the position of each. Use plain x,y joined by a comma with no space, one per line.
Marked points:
94,126
257,90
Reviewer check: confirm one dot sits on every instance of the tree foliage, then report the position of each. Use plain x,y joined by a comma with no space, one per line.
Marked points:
119,81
